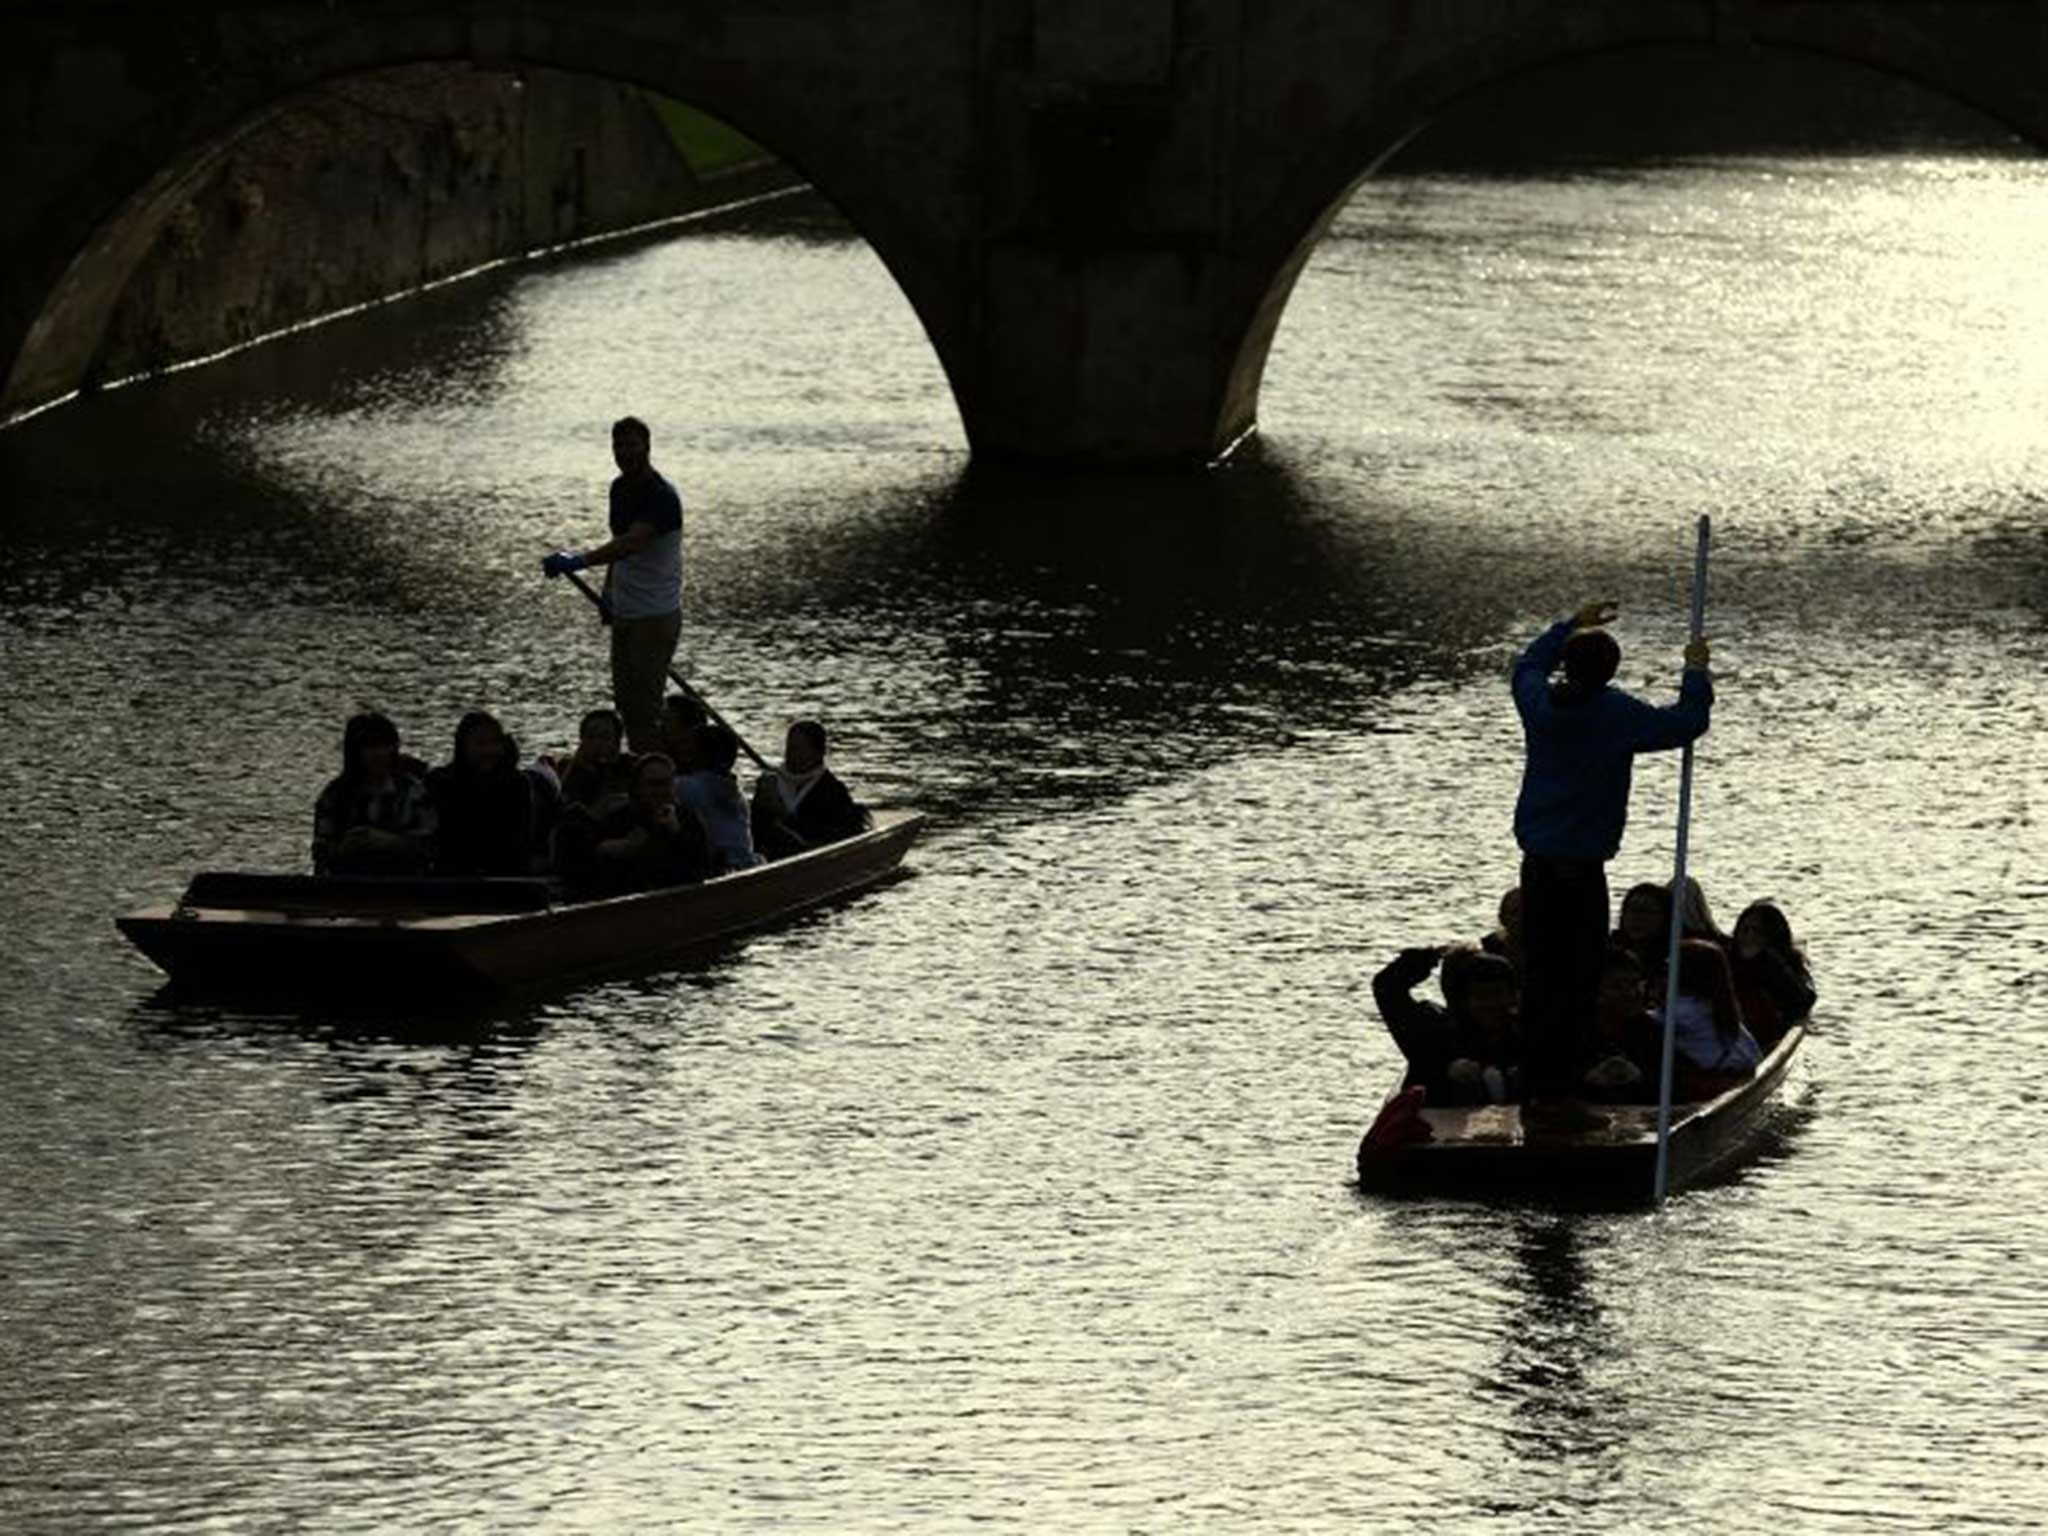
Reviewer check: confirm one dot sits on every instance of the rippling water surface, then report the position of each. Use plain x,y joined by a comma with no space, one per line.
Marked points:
1018,1192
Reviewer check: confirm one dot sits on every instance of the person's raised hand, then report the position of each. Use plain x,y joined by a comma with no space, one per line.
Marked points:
1593,615
561,562
1697,654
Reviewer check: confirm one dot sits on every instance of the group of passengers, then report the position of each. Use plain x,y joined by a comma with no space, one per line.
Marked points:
1738,994
601,820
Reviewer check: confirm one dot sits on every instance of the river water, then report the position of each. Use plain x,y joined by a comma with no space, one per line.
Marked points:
1019,1192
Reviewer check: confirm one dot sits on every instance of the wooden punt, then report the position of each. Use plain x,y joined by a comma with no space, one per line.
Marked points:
306,935
1487,1151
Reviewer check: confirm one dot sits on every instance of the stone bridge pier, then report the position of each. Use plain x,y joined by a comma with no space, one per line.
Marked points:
1097,208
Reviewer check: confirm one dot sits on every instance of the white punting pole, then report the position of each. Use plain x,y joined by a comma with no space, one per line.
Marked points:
1699,619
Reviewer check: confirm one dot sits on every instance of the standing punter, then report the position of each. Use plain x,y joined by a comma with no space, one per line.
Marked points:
1582,737
644,585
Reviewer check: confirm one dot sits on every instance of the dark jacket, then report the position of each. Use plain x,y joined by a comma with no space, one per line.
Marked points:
659,857
1775,992
597,789
486,819
1581,749
827,813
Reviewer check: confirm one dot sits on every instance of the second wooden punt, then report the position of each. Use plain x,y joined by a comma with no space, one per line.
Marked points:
304,935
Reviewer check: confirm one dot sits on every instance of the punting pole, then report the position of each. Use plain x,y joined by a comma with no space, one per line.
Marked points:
1699,618
683,682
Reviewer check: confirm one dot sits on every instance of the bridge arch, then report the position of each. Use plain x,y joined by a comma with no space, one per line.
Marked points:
1294,221
1096,212
93,236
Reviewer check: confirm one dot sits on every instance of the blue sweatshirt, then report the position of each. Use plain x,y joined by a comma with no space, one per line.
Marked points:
1574,800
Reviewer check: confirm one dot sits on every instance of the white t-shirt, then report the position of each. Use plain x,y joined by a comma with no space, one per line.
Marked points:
649,584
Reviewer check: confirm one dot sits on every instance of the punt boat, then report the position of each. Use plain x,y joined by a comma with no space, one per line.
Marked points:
313,935
1487,1151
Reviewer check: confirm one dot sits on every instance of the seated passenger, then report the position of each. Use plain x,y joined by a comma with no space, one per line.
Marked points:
599,776
682,717
1467,1051
641,846
376,818
1644,929
1624,1050
483,802
1772,982
1713,1050
802,804
1489,998
1506,939
710,793
1699,922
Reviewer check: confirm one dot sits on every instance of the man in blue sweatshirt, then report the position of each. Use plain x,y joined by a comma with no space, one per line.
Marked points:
1582,735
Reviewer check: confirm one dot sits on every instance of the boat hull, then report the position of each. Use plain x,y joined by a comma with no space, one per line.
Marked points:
1488,1151
323,952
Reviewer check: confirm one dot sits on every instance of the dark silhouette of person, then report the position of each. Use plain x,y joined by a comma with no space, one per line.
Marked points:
375,817
1582,735
643,583
802,804
642,845
483,802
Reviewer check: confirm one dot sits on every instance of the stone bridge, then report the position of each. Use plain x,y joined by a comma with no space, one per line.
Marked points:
1097,208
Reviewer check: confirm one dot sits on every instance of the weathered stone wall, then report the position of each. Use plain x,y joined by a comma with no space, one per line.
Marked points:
374,185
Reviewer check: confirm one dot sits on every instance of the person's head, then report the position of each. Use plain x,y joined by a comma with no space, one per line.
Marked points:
600,734
1466,967
803,749
1645,914
1492,1000
654,782
632,444
1621,985
1698,919
1510,914
369,746
479,742
718,748
1454,971
1591,657
1760,927
681,716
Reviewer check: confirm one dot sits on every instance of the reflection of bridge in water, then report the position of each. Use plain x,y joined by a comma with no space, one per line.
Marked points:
1097,211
